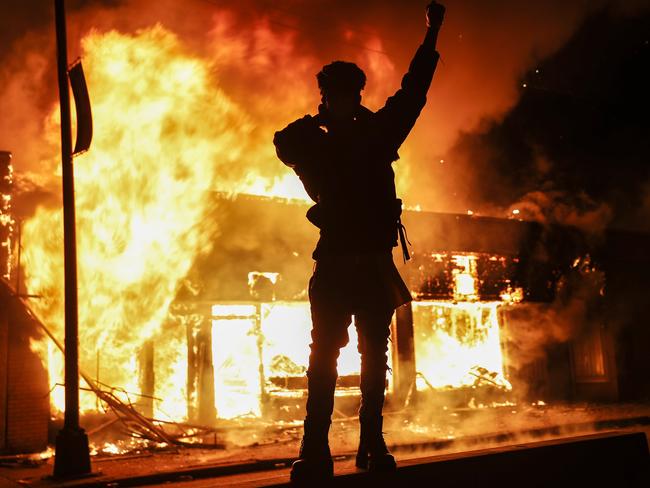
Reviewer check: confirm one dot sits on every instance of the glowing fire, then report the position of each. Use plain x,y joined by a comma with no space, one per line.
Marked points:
454,340
166,136
457,343
465,277
252,343
6,221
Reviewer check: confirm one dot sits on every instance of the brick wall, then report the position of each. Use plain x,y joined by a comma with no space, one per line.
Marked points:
25,400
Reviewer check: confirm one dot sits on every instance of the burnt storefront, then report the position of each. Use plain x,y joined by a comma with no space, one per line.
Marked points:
503,311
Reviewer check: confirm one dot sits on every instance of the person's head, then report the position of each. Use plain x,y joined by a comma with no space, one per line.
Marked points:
340,86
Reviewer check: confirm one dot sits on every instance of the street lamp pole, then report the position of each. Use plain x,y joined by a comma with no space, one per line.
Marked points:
72,456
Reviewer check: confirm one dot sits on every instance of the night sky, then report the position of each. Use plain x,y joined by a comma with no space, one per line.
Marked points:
578,136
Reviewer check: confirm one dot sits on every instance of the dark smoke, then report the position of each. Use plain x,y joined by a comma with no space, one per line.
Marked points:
575,148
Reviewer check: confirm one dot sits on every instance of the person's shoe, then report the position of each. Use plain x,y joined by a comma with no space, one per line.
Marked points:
306,470
373,454
314,462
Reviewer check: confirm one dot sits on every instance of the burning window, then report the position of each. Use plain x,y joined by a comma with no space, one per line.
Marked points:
456,322
261,354
456,344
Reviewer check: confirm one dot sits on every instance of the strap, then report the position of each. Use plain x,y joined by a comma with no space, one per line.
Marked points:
403,239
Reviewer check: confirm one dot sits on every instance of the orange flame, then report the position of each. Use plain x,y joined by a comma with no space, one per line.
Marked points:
166,136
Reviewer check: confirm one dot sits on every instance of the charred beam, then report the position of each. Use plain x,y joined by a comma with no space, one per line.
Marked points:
147,379
207,413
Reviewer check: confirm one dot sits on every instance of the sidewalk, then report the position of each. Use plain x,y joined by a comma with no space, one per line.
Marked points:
474,429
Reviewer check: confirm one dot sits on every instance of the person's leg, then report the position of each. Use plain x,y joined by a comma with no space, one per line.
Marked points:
373,330
329,333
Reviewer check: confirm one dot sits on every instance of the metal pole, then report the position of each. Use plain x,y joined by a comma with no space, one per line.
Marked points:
72,454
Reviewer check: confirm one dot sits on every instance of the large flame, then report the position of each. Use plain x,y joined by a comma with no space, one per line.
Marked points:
166,136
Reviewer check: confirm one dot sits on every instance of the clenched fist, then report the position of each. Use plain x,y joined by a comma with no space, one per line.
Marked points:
435,15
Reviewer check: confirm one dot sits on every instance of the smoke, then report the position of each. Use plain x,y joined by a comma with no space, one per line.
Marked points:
537,331
573,149
264,51
557,207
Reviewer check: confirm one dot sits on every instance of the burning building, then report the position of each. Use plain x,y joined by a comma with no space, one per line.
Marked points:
193,270
504,311
24,405
479,286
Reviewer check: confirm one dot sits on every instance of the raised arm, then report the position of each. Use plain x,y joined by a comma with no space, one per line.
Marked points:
402,109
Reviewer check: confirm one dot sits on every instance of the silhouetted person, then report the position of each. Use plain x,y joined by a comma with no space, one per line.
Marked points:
343,157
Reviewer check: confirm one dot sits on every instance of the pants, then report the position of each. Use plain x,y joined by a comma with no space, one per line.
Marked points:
340,288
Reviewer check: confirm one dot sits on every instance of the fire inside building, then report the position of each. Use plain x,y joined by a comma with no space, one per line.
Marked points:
240,324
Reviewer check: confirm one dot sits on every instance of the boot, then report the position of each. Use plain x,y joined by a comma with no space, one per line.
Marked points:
373,454
314,463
